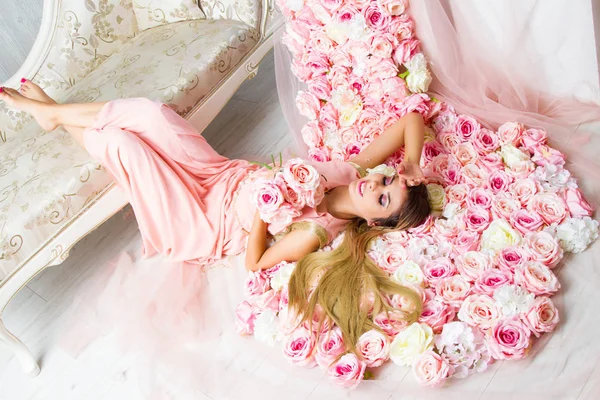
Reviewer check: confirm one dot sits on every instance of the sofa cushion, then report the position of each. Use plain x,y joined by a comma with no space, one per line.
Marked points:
46,178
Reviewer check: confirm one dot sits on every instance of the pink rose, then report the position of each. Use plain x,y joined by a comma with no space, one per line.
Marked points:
448,228
480,197
477,218
348,134
544,248
256,283
542,317
295,199
543,155
473,175
317,63
339,77
321,154
321,43
339,59
301,176
402,27
321,13
406,50
267,300
348,371
460,193
511,258
533,138
453,290
391,323
331,345
393,256
298,30
472,264
436,314
450,140
511,132
509,340
466,127
373,348
397,87
499,181
299,348
537,278
466,241
465,153
329,117
504,206
332,5
320,87
492,162
381,46
382,68
308,104
437,269
312,134
550,207
480,311
393,7
430,369
284,298
245,315
375,18
346,13
490,280
431,150
352,149
486,141
578,206
524,190
267,196
356,83
525,221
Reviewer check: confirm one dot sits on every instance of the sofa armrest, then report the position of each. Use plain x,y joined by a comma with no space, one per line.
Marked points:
250,12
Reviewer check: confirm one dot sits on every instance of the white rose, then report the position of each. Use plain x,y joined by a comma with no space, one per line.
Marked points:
553,177
513,300
282,276
500,235
513,157
409,273
408,344
437,196
266,328
338,32
575,234
418,81
358,29
382,169
451,210
417,63
348,116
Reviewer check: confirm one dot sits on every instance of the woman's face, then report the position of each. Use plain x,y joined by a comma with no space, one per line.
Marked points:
377,196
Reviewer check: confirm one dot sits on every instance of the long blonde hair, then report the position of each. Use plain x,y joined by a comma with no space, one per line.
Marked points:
346,276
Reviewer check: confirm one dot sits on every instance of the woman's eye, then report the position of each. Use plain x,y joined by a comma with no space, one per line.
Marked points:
381,200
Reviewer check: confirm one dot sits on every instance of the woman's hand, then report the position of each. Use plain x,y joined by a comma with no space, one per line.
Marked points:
412,173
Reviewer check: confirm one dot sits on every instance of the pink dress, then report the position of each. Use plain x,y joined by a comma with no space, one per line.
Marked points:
190,202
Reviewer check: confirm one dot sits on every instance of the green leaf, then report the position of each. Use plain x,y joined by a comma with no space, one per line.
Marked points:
404,74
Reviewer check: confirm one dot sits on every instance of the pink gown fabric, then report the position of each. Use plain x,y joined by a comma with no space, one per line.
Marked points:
184,194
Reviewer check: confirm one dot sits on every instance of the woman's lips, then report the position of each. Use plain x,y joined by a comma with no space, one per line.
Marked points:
360,188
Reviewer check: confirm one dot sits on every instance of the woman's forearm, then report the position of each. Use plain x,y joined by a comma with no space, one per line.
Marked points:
414,136
257,243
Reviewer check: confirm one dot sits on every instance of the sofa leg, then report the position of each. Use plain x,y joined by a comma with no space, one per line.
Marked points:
30,365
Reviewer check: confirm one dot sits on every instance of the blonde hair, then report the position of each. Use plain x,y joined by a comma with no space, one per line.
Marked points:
346,277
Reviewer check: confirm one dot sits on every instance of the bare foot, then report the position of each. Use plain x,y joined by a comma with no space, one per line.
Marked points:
42,112
34,92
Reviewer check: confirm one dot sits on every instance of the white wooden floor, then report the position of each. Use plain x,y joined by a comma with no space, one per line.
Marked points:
566,366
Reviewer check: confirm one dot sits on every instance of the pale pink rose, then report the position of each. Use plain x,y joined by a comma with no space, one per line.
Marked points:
472,264
509,340
294,198
466,241
301,176
330,346
466,127
543,316
437,269
537,278
306,15
393,7
525,221
373,348
485,141
524,190
453,290
339,58
317,63
320,87
329,117
245,315
368,117
480,197
298,30
348,371
543,155
312,134
543,247
346,13
417,102
375,18
436,314
348,134
256,283
477,218
492,162
280,218
301,70
450,140
511,258
550,207
268,300
504,205
339,77
511,133
374,89
424,228
402,27
392,257
321,13
267,196
578,206
521,169
332,5
459,194
499,181
533,138
284,298
396,86
321,43
308,105
473,175
299,348
465,153
430,369
391,323
490,280
406,50
396,238
480,311
269,273
382,68
381,46
320,154
448,228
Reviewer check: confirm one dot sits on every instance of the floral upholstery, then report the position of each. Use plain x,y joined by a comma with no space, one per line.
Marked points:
46,178
246,11
151,13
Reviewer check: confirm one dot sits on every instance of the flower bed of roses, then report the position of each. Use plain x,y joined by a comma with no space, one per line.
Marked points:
507,211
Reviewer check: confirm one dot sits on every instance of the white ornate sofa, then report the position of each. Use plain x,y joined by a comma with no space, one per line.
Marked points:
51,193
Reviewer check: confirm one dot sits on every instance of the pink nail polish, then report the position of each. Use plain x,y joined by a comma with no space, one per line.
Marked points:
23,80
1,89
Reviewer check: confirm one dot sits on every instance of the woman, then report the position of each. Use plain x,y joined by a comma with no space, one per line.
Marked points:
193,204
